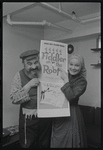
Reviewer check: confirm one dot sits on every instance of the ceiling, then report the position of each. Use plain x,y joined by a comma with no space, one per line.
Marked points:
54,13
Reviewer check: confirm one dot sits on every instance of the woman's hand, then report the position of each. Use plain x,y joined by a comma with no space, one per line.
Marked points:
64,75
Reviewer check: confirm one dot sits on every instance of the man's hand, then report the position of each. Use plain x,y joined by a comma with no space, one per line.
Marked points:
32,83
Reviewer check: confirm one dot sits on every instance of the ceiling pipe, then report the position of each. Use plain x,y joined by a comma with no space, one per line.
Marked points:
44,22
60,11
60,7
49,23
74,18
82,21
90,19
22,23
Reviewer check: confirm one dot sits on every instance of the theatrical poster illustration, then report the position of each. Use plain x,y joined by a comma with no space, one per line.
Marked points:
51,100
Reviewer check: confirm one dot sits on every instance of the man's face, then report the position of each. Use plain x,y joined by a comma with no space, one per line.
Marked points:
32,65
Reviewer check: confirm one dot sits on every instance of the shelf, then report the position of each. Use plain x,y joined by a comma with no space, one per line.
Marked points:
96,65
96,49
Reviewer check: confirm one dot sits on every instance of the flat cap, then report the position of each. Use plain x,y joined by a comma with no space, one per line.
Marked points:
29,53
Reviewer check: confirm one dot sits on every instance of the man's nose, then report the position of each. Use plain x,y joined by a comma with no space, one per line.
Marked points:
33,66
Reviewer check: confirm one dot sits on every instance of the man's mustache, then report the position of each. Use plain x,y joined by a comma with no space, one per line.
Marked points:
36,69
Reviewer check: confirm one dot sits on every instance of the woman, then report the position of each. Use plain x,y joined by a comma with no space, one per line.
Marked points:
69,132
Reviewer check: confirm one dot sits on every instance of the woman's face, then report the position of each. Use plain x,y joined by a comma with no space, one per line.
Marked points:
74,66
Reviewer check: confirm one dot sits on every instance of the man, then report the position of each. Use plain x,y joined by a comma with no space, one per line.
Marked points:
33,131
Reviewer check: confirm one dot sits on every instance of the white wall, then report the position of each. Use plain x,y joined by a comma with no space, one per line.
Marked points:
92,95
16,39
78,30
83,38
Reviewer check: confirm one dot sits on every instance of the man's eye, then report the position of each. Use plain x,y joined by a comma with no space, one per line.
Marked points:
29,63
36,62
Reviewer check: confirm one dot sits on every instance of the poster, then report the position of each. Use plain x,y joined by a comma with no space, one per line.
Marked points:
51,100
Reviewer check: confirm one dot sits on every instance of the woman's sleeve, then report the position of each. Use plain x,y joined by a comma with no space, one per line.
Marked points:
74,91
18,94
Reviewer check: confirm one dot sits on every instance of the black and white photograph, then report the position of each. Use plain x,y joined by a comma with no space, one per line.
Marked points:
51,58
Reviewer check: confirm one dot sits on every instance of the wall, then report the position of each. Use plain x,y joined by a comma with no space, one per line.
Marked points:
78,30
16,39
82,46
83,38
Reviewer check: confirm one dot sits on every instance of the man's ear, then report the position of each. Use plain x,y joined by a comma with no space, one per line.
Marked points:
39,57
22,60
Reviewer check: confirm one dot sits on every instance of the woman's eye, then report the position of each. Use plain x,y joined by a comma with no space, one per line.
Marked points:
77,65
71,64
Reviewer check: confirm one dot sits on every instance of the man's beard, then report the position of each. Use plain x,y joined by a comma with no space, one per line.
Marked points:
35,72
